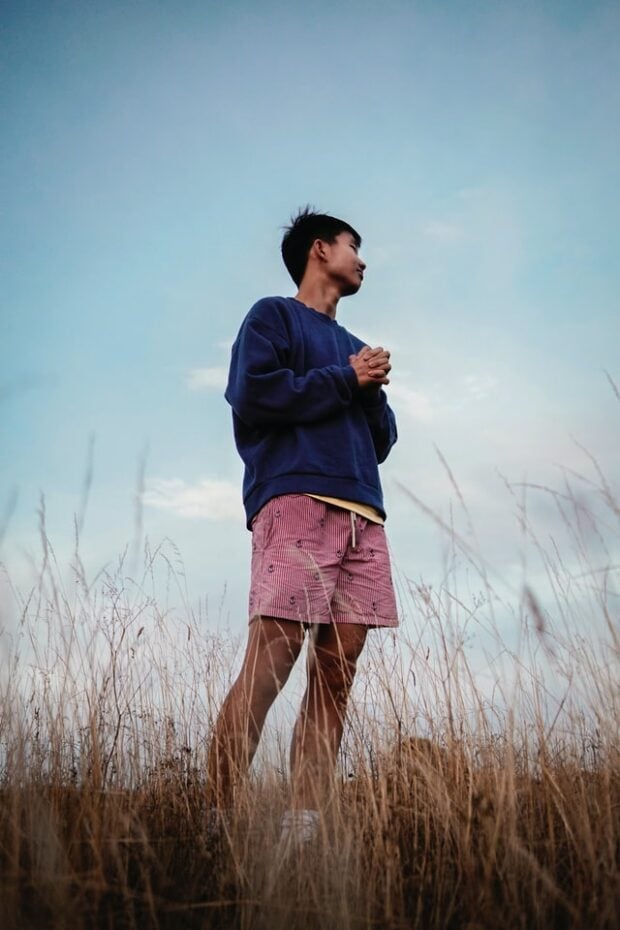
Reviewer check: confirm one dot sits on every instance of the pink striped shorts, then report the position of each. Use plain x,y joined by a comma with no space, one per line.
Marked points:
317,563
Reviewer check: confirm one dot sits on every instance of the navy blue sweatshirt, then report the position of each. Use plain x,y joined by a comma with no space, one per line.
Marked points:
301,422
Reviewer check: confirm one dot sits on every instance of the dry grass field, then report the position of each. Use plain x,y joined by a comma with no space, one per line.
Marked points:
466,797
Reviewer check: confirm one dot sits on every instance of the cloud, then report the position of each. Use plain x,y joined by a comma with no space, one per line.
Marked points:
442,231
429,404
209,499
207,379
413,404
479,386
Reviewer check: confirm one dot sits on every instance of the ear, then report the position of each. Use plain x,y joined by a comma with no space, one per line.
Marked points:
319,247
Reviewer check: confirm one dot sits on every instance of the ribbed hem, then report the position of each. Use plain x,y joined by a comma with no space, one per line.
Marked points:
347,488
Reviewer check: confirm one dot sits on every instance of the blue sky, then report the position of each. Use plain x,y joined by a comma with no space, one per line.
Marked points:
151,154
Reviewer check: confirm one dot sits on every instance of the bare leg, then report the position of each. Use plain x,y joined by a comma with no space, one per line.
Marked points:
272,650
318,731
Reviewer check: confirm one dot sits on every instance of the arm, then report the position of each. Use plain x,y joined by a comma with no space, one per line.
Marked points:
379,415
263,391
381,421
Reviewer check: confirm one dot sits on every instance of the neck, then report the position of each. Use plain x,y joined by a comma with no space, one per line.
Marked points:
320,295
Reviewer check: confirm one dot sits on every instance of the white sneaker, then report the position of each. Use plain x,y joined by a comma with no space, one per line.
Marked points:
299,828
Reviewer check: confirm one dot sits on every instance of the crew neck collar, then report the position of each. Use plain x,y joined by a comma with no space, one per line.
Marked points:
318,313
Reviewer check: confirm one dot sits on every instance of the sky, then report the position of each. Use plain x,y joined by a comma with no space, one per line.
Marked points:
151,154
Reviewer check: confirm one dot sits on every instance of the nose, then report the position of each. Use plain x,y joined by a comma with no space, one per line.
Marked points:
362,264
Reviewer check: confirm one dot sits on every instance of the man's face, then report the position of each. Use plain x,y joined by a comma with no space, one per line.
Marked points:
344,264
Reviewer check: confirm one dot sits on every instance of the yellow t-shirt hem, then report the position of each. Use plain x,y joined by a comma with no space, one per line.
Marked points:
362,510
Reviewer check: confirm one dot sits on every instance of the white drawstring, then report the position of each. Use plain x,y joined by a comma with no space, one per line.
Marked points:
353,519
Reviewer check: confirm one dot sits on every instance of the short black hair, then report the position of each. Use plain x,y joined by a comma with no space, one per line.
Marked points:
304,230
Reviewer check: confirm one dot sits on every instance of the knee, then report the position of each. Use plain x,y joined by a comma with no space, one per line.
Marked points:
263,682
334,672
266,685
256,689
268,664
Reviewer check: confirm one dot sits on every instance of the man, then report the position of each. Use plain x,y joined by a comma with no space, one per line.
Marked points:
311,423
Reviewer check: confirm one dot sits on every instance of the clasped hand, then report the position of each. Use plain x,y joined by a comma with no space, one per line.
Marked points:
371,366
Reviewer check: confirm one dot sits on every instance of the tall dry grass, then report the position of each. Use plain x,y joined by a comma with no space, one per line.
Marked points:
477,787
